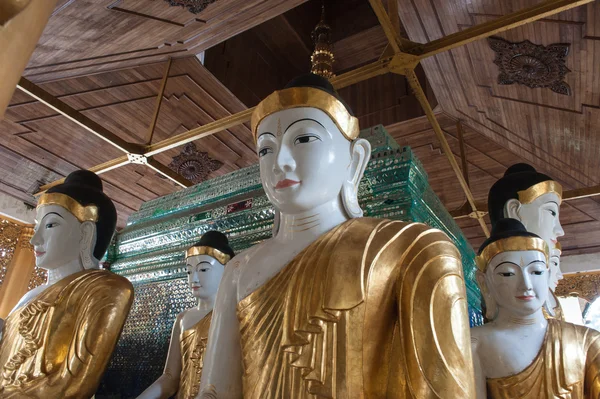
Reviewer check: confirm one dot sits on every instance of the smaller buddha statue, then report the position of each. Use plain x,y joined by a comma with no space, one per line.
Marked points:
520,353
58,339
205,263
552,307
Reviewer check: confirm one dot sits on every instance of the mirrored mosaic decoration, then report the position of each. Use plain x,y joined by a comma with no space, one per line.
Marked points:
150,250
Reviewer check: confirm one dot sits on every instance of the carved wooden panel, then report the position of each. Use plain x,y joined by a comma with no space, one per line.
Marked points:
583,285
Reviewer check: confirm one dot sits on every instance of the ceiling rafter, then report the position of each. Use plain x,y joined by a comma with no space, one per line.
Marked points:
406,56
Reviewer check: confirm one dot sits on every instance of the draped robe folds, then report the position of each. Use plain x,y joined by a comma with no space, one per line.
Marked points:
193,347
58,344
372,309
567,367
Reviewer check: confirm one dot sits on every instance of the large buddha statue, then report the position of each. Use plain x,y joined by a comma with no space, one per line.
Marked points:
534,199
519,353
58,339
205,263
334,305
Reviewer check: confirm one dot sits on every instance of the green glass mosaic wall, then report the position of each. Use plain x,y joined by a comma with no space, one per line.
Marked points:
149,251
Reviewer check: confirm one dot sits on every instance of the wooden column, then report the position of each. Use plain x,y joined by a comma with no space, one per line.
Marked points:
18,273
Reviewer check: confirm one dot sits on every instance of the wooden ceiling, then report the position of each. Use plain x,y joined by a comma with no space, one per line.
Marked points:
107,58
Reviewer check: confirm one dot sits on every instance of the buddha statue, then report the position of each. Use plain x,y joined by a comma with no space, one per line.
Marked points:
58,339
534,199
334,305
519,353
205,263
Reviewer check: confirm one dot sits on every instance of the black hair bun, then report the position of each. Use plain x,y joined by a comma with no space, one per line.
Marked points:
519,168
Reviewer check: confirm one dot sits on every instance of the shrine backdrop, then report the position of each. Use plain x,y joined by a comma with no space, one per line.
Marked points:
149,251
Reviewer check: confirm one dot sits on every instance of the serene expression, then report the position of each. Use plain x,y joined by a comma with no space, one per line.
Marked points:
57,237
518,281
555,272
304,159
541,217
204,275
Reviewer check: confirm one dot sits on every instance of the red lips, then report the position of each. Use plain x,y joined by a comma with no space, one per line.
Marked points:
38,253
525,297
286,183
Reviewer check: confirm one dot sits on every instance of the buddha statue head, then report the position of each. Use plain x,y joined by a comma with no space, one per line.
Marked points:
555,272
205,263
513,270
530,197
75,222
308,147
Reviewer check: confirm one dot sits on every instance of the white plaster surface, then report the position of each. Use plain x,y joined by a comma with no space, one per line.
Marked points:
580,263
15,209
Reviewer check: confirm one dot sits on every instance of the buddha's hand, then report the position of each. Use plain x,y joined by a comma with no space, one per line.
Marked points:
210,392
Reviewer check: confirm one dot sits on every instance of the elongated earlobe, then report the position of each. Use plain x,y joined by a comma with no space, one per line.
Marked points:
87,244
360,153
491,307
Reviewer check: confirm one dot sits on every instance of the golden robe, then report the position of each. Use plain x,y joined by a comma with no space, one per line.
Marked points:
58,344
372,309
567,367
193,346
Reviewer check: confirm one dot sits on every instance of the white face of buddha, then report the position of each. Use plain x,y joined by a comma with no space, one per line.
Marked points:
518,281
204,275
58,237
555,272
304,159
540,217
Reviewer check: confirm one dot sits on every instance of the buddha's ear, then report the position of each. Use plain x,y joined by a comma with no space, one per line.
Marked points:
87,244
512,208
491,307
360,153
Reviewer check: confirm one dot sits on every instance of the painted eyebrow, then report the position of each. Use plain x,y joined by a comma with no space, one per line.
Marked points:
262,134
50,213
552,202
304,119
534,261
510,263
201,262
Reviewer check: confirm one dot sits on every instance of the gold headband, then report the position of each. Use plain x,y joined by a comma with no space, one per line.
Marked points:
87,213
510,244
296,97
548,186
558,247
222,257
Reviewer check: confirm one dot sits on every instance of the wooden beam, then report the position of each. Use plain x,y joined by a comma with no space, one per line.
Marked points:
580,193
386,24
463,155
98,169
498,25
168,173
161,93
73,115
420,94
202,131
357,75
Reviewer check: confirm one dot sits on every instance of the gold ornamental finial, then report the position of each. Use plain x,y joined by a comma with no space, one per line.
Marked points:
322,57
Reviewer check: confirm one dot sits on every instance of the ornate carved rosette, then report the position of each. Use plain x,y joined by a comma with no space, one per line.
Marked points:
194,165
194,6
531,64
583,285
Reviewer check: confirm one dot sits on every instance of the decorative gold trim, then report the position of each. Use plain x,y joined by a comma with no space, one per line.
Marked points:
548,186
511,244
87,213
558,247
222,257
296,97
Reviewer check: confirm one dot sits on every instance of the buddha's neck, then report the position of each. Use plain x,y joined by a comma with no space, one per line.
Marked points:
55,275
205,304
507,318
307,226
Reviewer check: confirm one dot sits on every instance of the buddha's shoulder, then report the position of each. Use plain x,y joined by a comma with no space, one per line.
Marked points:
577,332
398,236
107,281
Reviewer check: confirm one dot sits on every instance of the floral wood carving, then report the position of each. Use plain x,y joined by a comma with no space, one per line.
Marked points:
194,165
531,64
194,6
583,285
